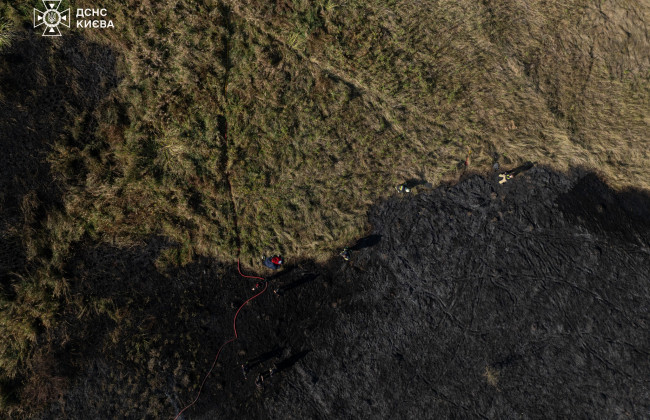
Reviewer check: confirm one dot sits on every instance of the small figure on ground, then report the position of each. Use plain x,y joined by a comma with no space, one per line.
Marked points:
403,188
273,370
504,177
508,175
259,381
273,262
346,253
245,368
258,285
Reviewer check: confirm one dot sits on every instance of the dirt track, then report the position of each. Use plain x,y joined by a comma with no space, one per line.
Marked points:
524,300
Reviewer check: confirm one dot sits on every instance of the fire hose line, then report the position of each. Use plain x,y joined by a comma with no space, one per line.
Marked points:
234,327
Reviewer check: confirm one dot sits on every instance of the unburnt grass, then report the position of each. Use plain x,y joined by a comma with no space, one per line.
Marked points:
249,127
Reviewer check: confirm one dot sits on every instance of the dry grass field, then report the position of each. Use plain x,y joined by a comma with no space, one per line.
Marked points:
245,127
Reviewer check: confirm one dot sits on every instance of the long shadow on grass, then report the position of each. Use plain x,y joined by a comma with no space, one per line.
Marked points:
47,85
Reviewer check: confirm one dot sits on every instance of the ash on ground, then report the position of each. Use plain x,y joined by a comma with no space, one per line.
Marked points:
528,299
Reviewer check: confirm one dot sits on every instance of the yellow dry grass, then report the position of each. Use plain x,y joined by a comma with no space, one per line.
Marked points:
328,105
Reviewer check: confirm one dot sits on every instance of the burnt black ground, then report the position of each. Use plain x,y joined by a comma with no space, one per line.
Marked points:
523,300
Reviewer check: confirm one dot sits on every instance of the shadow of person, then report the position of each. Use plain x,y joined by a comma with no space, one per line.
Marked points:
414,182
291,360
297,283
281,273
519,169
258,360
366,242
47,86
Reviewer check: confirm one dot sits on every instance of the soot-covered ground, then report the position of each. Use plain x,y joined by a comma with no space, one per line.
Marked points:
523,300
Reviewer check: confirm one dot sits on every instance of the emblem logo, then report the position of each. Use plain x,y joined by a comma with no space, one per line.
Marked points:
51,18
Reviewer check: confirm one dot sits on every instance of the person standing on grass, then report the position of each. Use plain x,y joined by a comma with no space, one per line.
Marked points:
346,253
273,262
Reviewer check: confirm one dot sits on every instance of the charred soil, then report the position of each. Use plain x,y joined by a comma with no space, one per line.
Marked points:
527,299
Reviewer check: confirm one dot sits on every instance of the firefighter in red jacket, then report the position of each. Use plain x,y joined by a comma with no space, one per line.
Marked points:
273,262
